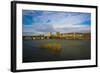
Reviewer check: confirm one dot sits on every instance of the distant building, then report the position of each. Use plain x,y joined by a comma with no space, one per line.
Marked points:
58,35
72,35
49,34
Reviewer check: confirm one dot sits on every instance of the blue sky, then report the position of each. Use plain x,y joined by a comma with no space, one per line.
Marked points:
41,22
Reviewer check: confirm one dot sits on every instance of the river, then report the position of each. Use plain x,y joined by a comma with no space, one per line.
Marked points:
69,50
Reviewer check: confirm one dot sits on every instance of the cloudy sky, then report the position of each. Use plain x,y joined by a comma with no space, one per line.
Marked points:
41,22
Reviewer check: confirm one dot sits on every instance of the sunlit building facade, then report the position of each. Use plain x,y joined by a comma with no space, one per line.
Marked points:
59,35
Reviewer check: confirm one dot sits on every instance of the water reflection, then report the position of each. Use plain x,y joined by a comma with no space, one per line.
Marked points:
54,48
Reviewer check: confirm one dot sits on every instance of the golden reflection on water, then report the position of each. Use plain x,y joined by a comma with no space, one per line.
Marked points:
55,48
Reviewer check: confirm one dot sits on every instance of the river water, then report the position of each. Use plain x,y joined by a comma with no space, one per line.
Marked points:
69,50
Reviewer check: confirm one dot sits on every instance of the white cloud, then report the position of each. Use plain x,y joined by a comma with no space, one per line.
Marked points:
60,22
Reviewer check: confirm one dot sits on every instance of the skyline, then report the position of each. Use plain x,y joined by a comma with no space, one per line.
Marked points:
41,22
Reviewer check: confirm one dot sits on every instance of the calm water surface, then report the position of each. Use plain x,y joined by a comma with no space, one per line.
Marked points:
69,50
